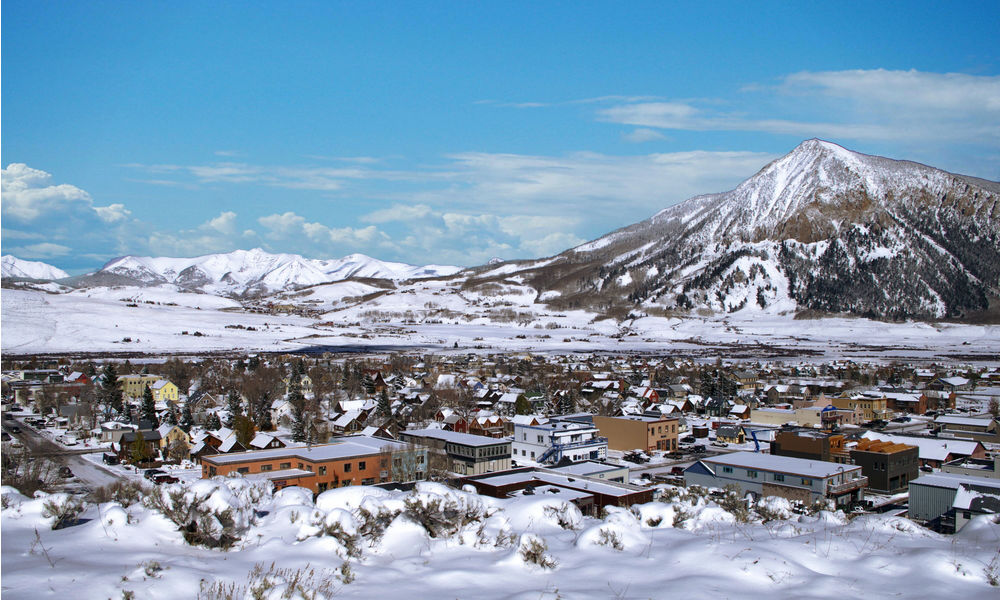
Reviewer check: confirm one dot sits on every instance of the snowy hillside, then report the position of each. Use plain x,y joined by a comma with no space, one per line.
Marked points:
14,267
246,272
438,542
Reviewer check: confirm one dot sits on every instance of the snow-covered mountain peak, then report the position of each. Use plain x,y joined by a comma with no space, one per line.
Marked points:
255,271
14,267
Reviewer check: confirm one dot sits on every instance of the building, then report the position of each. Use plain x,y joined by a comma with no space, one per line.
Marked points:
596,470
948,500
792,478
589,494
934,451
976,467
346,461
873,405
134,385
889,466
467,454
639,432
554,440
163,391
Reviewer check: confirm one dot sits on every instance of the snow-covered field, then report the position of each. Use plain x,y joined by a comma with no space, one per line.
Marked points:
392,546
432,315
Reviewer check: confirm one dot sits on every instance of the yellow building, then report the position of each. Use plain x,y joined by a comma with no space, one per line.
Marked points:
134,385
163,390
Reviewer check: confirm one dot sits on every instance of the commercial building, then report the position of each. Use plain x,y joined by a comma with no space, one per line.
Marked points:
467,454
639,432
346,461
889,466
589,494
948,500
550,442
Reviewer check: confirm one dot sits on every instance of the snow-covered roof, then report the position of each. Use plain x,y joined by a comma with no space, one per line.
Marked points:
781,464
464,439
953,480
966,421
345,447
929,448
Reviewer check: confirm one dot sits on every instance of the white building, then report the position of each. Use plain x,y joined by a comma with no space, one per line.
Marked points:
548,443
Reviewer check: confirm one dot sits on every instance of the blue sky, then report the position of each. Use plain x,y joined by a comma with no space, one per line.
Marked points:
447,132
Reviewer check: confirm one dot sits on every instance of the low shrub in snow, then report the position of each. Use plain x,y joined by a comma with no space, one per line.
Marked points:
275,583
212,512
533,550
62,509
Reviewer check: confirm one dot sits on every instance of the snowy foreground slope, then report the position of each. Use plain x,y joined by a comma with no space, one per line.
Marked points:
401,545
422,316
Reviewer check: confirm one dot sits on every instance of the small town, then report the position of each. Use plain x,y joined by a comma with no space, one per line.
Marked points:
922,442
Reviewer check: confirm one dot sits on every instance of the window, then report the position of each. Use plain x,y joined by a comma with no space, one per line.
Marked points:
286,465
264,468
243,470
300,465
361,466
347,467
779,477
368,481
751,474
727,469
807,481
345,483
323,486
322,470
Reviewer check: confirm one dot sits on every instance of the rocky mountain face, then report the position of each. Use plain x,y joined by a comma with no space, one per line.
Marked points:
821,228
250,272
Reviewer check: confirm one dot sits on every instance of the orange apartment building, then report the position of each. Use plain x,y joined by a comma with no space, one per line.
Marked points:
639,432
350,460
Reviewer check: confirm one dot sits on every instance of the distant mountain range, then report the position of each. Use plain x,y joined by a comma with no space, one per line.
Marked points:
15,268
821,229
238,273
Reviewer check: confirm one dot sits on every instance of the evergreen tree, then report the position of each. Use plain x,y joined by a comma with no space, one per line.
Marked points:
171,417
235,406
298,403
522,406
262,413
110,394
567,404
187,420
148,411
384,409
213,424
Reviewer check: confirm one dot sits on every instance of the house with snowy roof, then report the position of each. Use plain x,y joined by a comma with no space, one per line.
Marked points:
796,479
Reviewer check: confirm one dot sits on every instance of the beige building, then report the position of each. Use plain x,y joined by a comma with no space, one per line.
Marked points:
639,432
871,406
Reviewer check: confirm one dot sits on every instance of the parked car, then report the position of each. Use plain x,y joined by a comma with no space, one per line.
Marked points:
901,420
719,444
677,471
698,449
4,436
110,459
688,439
636,457
164,478
151,473
15,429
65,472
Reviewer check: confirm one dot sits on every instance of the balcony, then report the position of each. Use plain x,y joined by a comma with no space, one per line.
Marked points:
848,486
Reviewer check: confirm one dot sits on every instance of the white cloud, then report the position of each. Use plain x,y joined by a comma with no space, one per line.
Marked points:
857,104
29,195
397,212
289,226
42,250
638,136
225,223
113,213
